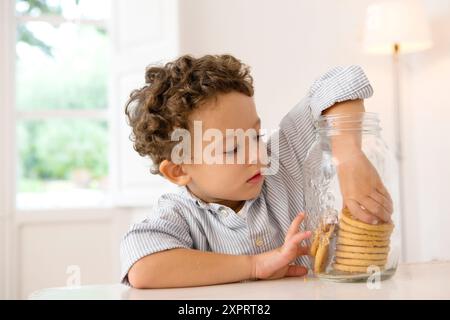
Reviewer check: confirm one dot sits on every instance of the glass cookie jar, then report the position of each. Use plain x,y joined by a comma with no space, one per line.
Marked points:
349,171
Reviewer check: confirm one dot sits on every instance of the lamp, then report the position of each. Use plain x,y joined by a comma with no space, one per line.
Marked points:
395,27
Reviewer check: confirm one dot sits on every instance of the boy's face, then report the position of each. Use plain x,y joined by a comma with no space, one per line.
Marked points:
228,182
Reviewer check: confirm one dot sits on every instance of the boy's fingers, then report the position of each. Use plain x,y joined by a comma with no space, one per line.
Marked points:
296,271
359,213
293,229
376,208
299,237
382,189
293,243
380,198
302,250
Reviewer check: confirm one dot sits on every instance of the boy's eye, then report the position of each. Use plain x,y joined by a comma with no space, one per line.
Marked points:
258,137
232,151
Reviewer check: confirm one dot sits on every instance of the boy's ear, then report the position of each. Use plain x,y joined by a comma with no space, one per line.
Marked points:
174,173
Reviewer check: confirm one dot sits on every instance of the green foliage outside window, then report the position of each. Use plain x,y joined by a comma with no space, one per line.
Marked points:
74,151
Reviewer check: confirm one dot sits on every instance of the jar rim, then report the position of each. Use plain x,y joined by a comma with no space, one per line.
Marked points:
367,122
366,115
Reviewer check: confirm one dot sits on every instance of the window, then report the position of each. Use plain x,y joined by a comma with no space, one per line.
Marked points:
62,64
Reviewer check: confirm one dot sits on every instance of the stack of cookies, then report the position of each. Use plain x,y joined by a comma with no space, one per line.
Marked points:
360,245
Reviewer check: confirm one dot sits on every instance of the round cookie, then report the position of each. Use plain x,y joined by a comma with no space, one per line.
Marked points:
321,257
353,269
346,227
363,256
315,242
348,219
355,236
345,248
361,263
363,243
321,254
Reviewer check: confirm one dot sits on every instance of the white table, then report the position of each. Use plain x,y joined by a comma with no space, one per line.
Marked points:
412,281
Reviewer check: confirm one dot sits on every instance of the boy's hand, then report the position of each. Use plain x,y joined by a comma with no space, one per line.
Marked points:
276,263
361,186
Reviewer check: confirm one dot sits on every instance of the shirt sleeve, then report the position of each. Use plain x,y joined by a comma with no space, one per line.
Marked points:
164,229
296,132
287,147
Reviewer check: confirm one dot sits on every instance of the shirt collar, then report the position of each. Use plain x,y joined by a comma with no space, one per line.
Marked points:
212,206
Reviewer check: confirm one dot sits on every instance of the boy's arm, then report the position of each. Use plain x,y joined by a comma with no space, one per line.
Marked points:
187,267
359,181
344,145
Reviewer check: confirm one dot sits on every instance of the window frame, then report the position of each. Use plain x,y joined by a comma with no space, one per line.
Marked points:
7,149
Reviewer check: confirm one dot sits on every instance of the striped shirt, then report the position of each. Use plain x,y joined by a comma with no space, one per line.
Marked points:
181,220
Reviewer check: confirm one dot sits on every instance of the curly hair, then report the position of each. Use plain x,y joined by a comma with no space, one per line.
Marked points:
172,92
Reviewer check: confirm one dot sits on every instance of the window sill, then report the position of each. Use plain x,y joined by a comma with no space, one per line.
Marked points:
62,200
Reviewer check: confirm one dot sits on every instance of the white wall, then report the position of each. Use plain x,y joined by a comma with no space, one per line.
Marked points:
427,140
53,248
289,43
75,247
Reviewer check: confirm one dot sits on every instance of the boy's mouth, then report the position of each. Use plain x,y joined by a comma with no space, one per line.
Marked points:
256,178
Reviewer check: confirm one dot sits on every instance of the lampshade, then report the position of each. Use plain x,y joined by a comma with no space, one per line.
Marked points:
401,22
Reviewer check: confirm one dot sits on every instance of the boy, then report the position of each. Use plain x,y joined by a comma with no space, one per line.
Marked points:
233,221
